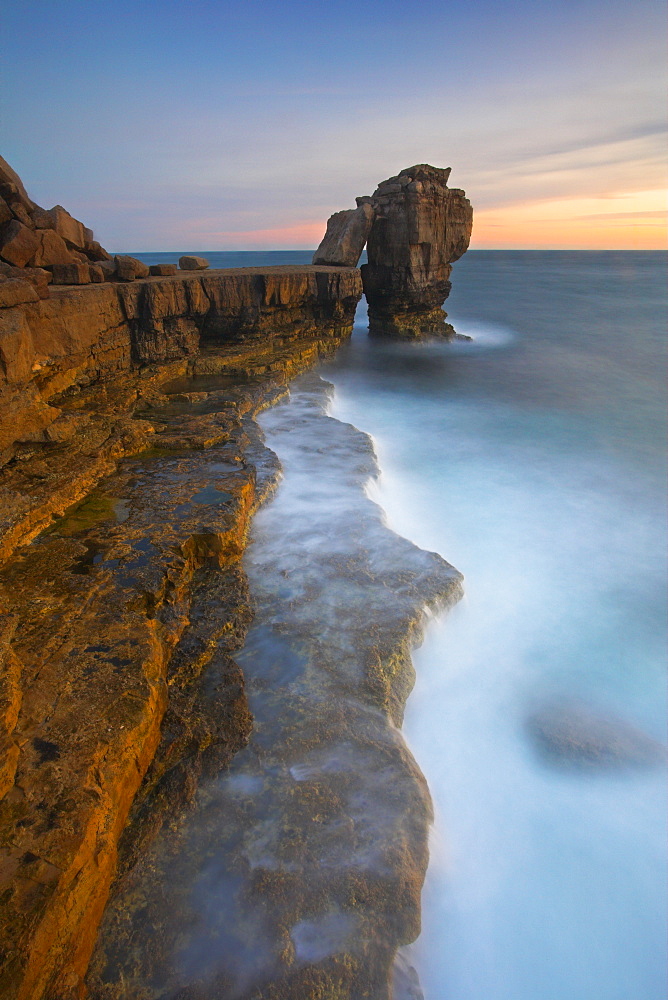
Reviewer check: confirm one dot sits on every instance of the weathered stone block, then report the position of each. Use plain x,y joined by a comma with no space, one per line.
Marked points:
109,268
52,249
71,274
13,185
41,218
21,213
13,291
346,235
96,273
16,347
38,277
129,268
5,212
95,252
17,243
191,263
69,228
164,270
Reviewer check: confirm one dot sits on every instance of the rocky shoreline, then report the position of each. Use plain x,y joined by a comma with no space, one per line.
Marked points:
93,610
130,469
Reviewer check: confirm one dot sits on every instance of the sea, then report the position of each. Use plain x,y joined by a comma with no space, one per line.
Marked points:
530,452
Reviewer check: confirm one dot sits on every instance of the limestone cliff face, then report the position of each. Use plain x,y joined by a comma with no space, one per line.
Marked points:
81,335
420,228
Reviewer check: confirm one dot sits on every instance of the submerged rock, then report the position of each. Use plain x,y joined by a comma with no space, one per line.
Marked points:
568,733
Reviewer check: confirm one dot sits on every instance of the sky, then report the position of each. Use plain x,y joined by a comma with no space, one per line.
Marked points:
175,125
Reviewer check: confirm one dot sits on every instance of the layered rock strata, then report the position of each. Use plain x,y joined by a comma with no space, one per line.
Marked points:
421,227
79,336
414,227
108,643
94,614
297,874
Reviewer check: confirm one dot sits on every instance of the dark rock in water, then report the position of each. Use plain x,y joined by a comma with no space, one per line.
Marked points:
346,235
421,226
569,734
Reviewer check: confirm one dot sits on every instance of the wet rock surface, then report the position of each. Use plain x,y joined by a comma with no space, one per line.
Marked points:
297,873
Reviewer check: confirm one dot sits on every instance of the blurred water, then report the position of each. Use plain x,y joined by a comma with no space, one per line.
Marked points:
533,458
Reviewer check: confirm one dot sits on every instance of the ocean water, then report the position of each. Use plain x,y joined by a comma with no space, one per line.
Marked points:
227,258
532,457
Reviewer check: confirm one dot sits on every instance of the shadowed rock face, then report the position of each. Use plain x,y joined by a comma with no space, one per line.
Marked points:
421,226
346,235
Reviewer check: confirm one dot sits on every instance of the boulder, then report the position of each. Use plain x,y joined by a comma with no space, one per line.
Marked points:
11,187
41,218
38,277
420,228
71,274
14,291
69,228
5,212
95,252
164,270
52,249
346,235
21,213
96,273
129,268
190,263
18,244
109,268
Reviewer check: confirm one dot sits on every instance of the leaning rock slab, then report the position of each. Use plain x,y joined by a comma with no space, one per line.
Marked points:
17,243
12,187
67,226
190,263
346,235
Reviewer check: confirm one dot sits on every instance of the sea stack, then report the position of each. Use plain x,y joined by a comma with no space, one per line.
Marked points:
420,227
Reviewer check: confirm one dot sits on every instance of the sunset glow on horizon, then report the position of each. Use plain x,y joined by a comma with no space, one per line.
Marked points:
217,125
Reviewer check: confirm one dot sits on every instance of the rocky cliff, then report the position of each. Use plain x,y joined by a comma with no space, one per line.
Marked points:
414,227
421,227
124,462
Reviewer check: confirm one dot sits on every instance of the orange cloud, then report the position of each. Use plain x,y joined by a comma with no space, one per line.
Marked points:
299,235
625,221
